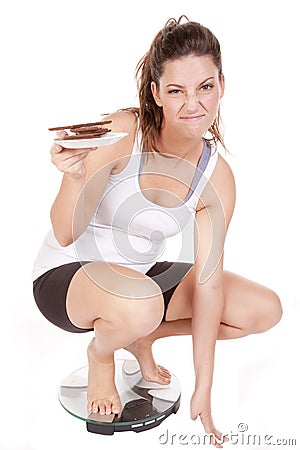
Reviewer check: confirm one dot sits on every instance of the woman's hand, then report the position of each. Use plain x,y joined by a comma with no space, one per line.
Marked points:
69,161
201,406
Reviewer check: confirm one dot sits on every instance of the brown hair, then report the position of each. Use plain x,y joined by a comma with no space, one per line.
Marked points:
174,41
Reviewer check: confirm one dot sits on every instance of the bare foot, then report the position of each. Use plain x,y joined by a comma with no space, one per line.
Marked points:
102,395
142,350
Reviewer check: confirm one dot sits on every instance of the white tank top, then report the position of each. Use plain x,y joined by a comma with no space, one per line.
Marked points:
127,228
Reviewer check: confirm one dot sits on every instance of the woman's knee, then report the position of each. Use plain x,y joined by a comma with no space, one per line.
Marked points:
270,312
141,316
149,315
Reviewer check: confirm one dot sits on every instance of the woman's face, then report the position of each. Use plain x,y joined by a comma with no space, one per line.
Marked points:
189,92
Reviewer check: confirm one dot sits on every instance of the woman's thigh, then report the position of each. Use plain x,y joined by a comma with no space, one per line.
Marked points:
50,291
112,292
248,305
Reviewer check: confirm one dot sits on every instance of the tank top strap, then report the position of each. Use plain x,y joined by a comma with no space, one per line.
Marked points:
203,173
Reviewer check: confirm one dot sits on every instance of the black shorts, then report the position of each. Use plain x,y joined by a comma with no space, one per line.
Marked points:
50,289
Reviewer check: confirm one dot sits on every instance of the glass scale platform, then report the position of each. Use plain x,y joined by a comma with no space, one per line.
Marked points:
144,404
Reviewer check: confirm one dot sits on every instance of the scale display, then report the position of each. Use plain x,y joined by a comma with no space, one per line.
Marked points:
144,404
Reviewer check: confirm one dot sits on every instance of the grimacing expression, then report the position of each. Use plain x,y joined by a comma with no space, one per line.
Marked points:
189,92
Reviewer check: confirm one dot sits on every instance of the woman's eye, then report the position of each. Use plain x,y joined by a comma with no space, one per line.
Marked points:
174,91
206,87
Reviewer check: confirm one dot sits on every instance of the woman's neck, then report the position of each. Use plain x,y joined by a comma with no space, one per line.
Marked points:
174,144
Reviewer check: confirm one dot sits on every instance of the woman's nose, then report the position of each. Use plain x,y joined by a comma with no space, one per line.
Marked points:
192,102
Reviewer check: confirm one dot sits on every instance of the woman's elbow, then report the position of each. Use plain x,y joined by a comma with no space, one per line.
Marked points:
63,239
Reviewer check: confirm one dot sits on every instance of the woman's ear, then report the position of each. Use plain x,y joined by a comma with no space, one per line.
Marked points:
222,85
155,93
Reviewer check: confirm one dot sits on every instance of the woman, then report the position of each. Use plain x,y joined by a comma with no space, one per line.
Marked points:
98,269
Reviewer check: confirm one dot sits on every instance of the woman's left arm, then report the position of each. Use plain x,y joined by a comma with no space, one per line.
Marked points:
211,224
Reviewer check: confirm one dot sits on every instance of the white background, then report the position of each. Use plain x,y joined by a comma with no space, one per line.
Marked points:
70,61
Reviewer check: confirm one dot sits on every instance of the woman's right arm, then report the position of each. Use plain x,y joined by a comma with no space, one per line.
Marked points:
89,169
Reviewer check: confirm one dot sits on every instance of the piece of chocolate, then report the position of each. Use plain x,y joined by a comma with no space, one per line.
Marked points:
69,127
87,129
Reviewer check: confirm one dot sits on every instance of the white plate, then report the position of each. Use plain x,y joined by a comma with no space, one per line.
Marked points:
107,139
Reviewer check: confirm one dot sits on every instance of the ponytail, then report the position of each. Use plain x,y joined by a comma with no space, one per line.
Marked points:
151,115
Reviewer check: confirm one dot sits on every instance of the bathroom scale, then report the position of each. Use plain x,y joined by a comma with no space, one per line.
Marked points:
145,405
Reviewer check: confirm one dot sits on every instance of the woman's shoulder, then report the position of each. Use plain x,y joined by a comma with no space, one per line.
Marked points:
223,182
223,170
125,120
115,154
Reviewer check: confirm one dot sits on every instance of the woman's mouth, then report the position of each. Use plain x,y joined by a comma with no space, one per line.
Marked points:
192,118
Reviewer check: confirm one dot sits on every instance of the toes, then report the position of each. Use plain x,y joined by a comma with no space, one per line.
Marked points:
165,380
94,407
116,407
161,379
105,407
164,372
163,369
158,375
